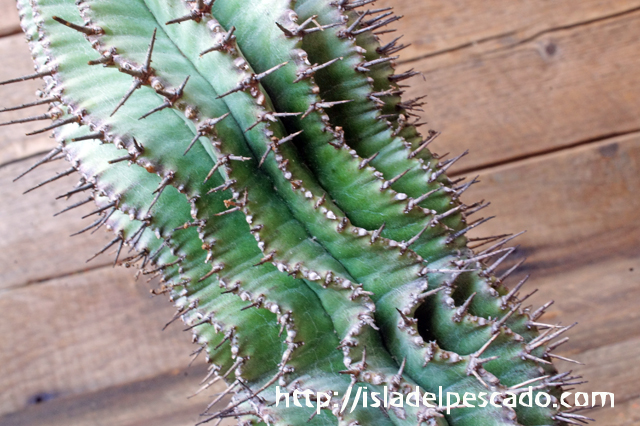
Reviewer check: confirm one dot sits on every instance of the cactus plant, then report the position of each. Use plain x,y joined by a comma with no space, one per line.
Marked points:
258,157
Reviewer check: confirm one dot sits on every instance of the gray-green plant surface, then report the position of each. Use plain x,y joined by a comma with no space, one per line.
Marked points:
257,156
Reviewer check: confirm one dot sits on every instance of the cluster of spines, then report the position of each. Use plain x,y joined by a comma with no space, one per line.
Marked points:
284,168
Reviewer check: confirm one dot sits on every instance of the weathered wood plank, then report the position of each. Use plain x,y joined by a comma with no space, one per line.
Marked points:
84,333
433,26
34,245
160,401
17,62
8,17
558,90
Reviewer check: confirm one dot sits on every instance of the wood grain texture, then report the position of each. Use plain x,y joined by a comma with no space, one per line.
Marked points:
35,245
434,26
561,89
159,401
8,22
512,79
83,333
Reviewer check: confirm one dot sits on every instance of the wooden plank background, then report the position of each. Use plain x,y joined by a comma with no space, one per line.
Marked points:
545,94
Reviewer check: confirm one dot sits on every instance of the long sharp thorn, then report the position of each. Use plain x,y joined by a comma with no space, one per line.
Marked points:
345,5
105,248
91,136
484,347
554,345
191,16
528,382
461,189
43,160
496,326
264,156
237,88
289,137
447,164
461,232
403,76
96,223
414,202
462,310
429,293
497,263
364,67
195,354
286,31
415,237
503,242
320,28
27,77
55,125
515,290
564,358
486,240
366,161
164,182
101,209
547,336
383,14
45,116
222,395
73,206
305,23
330,104
32,104
136,85
390,182
115,262
309,71
263,74
352,27
104,220
391,44
75,190
510,271
424,144
166,104
220,46
147,60
376,26
535,358
127,157
83,29
222,187
538,313
235,209
56,177
192,326
576,416
193,142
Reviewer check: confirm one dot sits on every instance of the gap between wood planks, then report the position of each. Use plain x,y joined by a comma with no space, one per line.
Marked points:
520,159
533,37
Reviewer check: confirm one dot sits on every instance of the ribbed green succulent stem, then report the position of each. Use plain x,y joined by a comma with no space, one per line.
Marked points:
257,155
